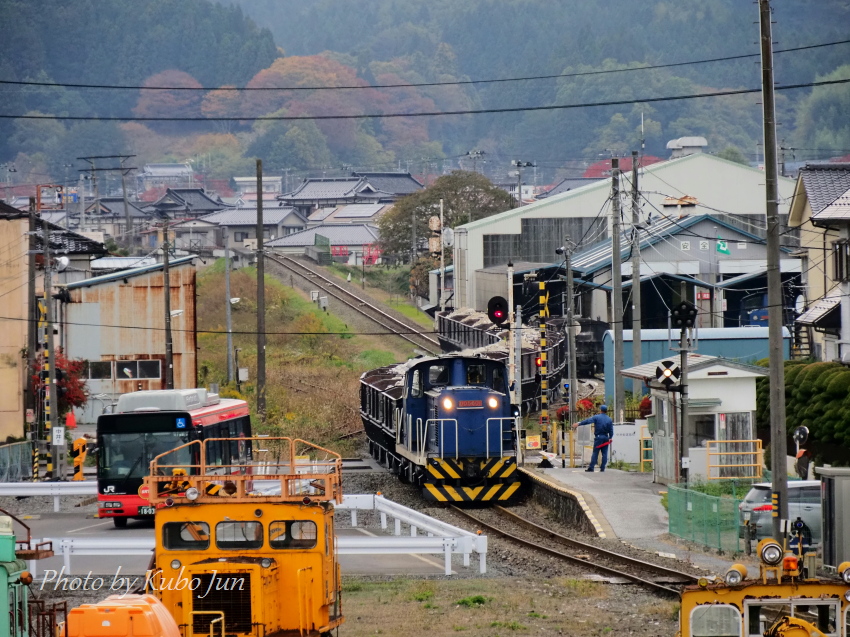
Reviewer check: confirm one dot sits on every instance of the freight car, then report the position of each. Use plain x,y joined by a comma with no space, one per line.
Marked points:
464,329
446,425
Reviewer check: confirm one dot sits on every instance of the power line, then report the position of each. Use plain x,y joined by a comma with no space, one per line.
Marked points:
421,84
517,109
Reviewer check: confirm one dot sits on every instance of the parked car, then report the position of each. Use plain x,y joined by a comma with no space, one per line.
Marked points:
804,502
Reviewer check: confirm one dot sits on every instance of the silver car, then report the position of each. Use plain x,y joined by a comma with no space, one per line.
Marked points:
804,502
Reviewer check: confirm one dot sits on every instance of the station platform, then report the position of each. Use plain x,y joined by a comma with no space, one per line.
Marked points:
627,506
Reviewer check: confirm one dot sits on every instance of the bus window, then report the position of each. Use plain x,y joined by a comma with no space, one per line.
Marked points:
186,536
128,455
476,375
238,535
292,534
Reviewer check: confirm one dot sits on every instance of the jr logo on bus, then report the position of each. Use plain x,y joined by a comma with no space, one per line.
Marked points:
469,403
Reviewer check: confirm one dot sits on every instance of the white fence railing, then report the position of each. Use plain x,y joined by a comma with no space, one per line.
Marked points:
436,537
54,489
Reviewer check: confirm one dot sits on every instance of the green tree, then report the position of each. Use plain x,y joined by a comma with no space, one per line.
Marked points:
822,120
466,197
733,154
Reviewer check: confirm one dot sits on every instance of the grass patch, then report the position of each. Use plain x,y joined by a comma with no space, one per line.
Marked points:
723,488
472,602
373,358
665,502
512,625
411,312
583,587
423,592
535,615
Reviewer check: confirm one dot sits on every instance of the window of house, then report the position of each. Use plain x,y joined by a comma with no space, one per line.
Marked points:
149,369
240,236
100,370
125,370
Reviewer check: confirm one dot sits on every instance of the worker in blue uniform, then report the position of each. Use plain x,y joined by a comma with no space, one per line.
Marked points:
603,433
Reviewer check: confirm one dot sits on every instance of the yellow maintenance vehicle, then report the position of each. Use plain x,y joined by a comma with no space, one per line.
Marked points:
785,599
248,548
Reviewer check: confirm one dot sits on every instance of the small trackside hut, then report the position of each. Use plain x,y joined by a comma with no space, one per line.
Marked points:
247,548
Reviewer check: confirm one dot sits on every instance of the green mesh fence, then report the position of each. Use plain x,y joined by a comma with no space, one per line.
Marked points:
710,520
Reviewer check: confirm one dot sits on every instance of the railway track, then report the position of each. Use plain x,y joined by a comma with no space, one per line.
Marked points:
608,562
410,333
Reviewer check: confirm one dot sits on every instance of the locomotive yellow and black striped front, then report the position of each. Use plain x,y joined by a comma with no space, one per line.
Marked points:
445,424
472,480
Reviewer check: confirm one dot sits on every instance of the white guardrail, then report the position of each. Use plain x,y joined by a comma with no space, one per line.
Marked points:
438,538
54,489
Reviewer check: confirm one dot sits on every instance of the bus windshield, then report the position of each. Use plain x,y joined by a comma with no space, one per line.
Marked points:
128,455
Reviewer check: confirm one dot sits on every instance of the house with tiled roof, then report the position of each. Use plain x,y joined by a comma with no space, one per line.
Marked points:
349,243
206,233
165,175
185,203
820,209
364,188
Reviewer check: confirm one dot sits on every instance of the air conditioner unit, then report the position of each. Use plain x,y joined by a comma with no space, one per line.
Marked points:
250,244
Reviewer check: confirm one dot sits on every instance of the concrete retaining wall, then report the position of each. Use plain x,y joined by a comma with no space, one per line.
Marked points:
567,506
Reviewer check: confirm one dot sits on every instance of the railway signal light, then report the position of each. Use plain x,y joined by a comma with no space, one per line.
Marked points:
497,310
684,315
667,373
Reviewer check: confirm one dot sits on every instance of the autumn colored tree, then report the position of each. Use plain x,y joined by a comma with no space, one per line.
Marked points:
419,275
467,196
159,103
222,103
72,391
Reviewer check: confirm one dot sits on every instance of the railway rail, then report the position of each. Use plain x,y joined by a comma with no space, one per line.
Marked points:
637,570
409,333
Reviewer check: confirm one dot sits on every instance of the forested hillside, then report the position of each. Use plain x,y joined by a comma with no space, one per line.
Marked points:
404,56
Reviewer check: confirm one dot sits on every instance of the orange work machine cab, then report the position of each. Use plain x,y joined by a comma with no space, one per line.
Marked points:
247,548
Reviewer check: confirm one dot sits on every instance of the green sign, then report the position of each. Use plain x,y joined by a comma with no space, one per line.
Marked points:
722,246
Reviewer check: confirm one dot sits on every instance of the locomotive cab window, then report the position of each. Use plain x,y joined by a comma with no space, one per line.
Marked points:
438,375
186,536
476,375
715,620
293,534
499,381
238,535
416,384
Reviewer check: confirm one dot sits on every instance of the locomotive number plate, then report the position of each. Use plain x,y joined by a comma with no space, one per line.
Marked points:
467,404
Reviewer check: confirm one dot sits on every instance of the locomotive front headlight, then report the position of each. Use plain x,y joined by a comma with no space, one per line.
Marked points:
447,403
493,402
844,571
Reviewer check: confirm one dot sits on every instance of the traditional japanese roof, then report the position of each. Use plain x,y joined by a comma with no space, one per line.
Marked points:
167,170
321,214
115,206
358,211
315,189
246,216
191,201
392,182
825,184
824,312
342,234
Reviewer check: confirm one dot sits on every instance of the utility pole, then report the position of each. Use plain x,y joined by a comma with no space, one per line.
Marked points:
82,197
519,166
572,395
443,269
228,317
32,315
778,440
65,195
261,302
617,300
127,224
50,405
166,290
637,386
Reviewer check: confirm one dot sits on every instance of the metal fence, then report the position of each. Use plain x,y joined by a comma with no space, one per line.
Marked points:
710,520
16,462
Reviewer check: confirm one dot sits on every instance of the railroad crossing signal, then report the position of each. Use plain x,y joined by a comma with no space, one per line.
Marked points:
497,310
684,315
667,373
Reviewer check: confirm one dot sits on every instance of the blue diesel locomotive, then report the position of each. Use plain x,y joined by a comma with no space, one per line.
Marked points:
446,425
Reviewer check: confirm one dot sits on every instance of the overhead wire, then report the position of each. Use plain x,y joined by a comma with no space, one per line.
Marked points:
423,84
516,109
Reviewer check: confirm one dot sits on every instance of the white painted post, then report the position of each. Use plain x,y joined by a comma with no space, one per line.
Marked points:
353,517
383,520
412,531
447,551
66,556
56,503
397,526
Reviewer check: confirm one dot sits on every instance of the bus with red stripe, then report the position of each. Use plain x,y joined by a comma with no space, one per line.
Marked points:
148,423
